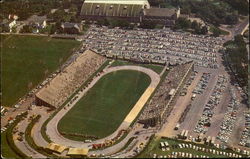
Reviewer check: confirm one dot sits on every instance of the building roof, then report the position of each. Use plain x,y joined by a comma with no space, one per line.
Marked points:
171,92
36,19
164,12
69,25
78,151
131,2
56,147
126,8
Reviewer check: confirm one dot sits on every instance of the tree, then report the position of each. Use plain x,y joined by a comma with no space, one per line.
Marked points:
204,30
5,29
216,32
52,29
232,19
195,25
26,29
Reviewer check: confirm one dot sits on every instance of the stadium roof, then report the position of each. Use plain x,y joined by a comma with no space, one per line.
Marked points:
123,8
166,12
132,2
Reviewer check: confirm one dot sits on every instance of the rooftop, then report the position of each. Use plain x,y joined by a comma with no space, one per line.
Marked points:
131,2
160,12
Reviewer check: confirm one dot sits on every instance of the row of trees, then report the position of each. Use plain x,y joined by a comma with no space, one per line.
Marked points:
237,56
24,9
187,25
215,12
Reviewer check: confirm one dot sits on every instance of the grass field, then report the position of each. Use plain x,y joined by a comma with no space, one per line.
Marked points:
154,148
104,107
27,60
6,149
222,32
156,68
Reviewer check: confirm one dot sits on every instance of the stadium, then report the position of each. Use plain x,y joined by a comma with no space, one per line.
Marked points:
105,103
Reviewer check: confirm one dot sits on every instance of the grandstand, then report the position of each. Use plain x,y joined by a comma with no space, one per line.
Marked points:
58,90
160,105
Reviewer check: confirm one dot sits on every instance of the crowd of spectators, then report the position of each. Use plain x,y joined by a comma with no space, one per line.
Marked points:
161,98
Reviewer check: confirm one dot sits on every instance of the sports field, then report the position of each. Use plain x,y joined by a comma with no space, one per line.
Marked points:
101,111
27,60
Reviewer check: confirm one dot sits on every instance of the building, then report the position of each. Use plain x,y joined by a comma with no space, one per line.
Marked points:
78,152
165,16
37,23
71,28
12,25
132,10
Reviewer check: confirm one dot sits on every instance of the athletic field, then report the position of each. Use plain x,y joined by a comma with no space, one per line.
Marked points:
27,60
101,111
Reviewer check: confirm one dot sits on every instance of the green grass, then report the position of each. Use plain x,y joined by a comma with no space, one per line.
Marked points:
43,129
222,32
154,148
27,60
106,104
6,149
156,68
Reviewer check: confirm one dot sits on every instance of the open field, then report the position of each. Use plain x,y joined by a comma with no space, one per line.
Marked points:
6,149
154,148
156,68
105,106
27,60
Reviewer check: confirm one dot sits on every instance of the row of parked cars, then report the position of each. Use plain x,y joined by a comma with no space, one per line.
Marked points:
202,84
214,100
227,125
245,136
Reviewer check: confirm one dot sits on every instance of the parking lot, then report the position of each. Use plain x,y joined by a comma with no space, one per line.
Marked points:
157,46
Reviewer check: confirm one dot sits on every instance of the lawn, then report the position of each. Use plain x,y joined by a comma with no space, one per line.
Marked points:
156,68
222,32
6,149
101,111
154,148
27,60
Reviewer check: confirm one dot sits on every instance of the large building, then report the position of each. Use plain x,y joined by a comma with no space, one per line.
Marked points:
131,10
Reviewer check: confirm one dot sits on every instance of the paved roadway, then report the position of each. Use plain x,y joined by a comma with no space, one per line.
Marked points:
179,107
23,145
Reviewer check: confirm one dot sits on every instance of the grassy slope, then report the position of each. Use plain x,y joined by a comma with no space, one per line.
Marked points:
25,60
6,149
156,68
105,106
222,32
